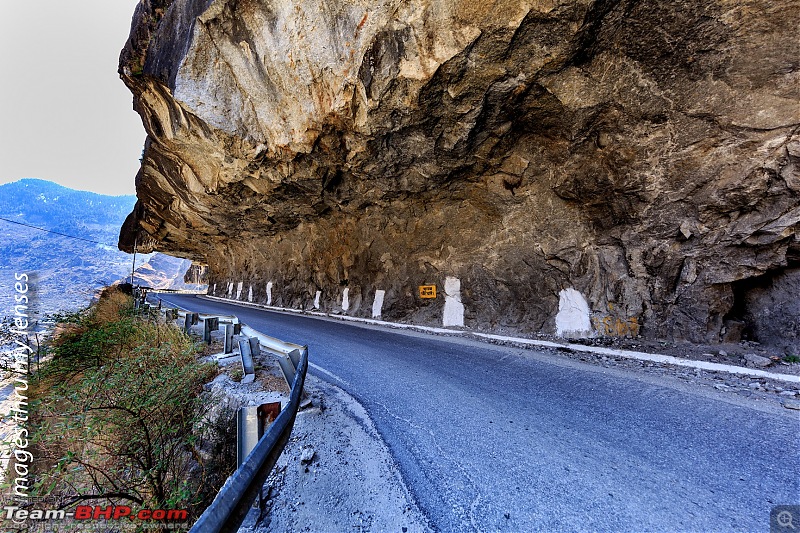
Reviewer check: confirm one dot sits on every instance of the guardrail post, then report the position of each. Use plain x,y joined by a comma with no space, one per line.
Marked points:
209,325
249,430
295,356
247,361
207,331
287,368
187,323
255,347
237,328
195,318
228,338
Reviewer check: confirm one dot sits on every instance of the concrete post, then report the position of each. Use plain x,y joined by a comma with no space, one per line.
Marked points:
247,361
255,347
228,338
209,325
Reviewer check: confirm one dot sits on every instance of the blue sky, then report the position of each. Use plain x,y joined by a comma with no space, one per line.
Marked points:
65,115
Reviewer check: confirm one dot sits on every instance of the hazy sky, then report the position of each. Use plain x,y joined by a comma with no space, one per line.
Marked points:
65,115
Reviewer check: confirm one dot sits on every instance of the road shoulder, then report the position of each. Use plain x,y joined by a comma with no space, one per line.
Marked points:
335,474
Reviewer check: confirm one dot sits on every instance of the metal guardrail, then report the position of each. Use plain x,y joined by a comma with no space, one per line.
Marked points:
287,353
229,509
234,500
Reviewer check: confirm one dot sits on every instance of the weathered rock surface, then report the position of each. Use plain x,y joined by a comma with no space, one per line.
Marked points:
757,360
644,154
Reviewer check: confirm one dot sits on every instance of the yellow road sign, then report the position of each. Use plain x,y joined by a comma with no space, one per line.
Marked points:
427,291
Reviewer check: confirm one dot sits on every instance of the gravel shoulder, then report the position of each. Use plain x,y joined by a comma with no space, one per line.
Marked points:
335,474
759,391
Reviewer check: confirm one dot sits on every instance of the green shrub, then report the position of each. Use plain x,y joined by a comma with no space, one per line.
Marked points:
118,411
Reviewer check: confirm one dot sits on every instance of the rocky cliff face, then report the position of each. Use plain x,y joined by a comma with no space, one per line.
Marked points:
612,167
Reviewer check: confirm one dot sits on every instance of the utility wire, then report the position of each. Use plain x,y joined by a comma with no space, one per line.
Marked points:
57,233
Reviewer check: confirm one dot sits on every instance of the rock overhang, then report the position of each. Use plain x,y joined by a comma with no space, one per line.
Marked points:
638,154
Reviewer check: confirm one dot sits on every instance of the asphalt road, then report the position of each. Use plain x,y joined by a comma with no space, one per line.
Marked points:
492,438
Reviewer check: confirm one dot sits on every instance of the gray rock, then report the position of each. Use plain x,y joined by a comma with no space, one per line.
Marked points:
791,404
732,332
307,455
757,360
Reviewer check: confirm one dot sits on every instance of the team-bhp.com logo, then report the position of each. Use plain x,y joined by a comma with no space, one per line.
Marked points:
97,512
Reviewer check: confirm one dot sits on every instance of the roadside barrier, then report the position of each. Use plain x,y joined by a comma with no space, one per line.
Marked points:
234,500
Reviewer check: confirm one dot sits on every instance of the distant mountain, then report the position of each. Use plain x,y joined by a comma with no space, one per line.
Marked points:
65,272
49,205
165,272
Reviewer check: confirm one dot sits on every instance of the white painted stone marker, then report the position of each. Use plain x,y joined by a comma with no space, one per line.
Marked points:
250,294
269,293
453,308
346,299
316,299
377,303
572,319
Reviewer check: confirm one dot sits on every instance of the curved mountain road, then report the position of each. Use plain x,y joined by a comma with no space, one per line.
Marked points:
496,438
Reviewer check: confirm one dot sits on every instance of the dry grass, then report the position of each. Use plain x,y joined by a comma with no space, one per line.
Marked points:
112,306
273,383
64,331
